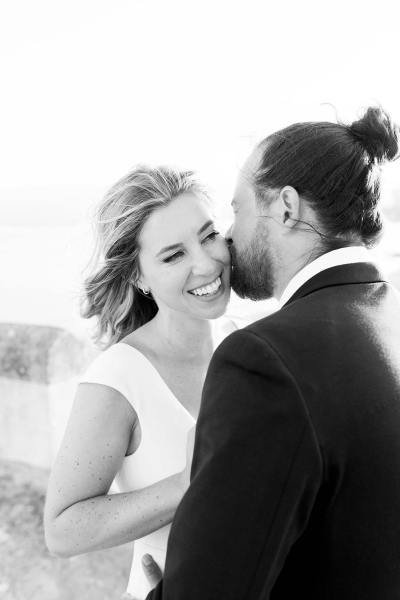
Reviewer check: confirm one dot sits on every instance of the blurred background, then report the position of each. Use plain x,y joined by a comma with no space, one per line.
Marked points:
90,88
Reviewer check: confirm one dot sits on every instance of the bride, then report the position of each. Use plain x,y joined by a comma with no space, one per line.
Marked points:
160,284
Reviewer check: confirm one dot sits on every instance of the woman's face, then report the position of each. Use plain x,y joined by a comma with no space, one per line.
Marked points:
183,259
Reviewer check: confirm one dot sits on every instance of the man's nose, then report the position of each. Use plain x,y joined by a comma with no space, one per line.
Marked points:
228,236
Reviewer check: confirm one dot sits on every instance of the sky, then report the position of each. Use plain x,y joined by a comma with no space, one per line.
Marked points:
89,88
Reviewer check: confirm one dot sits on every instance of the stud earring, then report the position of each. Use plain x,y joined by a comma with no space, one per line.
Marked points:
145,291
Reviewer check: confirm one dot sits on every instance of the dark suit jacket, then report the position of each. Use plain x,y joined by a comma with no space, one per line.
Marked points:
295,489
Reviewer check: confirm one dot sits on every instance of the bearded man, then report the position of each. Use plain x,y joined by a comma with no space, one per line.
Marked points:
295,483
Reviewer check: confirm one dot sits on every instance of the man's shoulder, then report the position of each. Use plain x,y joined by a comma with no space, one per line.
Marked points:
291,327
256,341
299,313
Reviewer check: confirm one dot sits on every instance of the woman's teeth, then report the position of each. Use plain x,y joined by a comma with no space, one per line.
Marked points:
211,288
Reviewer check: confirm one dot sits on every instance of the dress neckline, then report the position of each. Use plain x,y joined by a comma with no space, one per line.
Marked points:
160,378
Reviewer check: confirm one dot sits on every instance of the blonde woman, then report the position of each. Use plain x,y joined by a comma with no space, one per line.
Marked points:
159,286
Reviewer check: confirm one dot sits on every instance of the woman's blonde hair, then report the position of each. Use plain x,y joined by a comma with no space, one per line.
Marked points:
110,291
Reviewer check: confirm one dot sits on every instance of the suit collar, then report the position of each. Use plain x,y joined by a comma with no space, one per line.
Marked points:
341,256
339,275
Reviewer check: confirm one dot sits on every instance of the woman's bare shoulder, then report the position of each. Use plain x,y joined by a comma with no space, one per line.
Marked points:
222,328
144,341
227,325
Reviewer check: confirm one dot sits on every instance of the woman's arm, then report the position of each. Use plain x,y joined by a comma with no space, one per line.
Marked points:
80,516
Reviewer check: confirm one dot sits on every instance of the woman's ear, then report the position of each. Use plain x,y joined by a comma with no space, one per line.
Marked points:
143,288
139,283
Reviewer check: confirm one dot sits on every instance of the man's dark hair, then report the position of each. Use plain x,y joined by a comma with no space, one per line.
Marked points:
336,168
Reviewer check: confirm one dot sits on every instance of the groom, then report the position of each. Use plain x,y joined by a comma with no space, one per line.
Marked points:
295,488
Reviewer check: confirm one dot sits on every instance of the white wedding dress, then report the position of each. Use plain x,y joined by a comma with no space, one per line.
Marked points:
164,423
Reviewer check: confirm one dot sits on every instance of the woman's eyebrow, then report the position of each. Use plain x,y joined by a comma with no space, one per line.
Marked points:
205,226
175,246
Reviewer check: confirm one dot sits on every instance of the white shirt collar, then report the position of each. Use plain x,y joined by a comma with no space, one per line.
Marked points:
342,256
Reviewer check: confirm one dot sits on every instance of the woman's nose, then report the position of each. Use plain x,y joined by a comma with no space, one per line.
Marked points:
204,264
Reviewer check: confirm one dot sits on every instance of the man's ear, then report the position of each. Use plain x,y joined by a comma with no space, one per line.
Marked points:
288,206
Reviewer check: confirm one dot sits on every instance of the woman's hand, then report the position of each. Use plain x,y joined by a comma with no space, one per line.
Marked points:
151,570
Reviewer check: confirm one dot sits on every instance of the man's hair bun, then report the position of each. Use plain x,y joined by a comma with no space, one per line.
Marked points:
378,134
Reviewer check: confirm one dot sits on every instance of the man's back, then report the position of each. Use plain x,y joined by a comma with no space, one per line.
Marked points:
341,343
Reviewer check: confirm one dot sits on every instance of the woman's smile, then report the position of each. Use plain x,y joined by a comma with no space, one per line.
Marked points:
208,289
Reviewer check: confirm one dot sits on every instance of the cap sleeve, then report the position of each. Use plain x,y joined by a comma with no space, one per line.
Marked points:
116,368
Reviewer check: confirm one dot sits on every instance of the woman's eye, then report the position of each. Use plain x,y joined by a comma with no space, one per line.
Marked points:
173,257
211,236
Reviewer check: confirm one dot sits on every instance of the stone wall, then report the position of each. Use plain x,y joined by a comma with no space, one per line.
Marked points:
27,570
39,367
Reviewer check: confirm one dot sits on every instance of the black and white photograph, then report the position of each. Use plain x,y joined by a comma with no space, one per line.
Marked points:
199,300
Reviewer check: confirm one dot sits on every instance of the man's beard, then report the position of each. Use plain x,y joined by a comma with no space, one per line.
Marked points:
251,275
